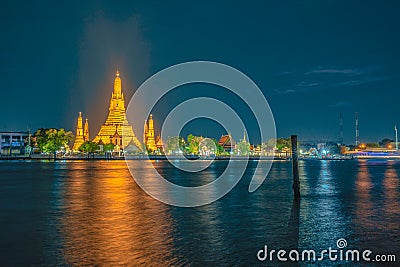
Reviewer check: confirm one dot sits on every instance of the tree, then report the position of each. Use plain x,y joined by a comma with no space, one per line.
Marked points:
174,145
40,138
332,148
372,145
108,147
271,143
207,147
51,140
243,148
282,143
89,147
193,144
219,150
385,142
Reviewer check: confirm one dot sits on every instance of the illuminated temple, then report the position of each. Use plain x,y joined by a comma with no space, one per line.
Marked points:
148,135
116,128
79,137
82,134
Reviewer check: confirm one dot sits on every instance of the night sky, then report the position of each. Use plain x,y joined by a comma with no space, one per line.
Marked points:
311,59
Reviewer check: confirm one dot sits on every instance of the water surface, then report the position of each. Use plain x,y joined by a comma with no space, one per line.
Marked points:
92,213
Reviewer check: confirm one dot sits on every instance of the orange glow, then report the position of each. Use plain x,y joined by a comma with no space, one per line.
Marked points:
364,205
79,138
149,140
390,183
110,221
116,123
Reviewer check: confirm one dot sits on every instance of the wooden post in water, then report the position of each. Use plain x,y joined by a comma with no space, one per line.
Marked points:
295,166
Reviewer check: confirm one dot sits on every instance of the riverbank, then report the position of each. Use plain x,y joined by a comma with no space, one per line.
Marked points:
189,157
138,157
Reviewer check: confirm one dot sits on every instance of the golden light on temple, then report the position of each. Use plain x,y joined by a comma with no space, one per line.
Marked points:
79,137
86,136
148,134
116,128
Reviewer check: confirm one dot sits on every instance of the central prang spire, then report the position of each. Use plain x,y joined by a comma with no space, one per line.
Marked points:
117,121
117,86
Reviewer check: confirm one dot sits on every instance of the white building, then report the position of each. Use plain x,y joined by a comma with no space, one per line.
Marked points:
13,143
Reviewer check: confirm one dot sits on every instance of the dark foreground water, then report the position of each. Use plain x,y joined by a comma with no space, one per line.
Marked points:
91,213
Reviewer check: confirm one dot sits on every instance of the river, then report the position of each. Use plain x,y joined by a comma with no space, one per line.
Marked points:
92,213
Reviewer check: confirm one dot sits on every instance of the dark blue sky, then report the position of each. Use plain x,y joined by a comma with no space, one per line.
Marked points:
312,59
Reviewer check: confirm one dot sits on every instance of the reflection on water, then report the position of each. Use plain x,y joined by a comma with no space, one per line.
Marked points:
321,207
391,191
91,213
364,206
377,209
105,218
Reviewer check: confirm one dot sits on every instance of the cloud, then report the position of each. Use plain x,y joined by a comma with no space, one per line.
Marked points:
344,71
340,104
336,71
362,81
315,79
302,86
284,91
307,84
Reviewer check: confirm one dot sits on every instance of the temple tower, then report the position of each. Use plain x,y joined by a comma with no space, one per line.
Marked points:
145,131
116,119
159,143
79,139
86,131
149,134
